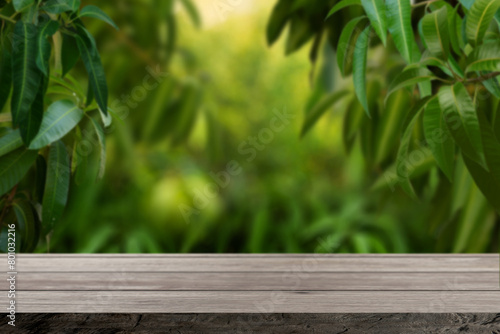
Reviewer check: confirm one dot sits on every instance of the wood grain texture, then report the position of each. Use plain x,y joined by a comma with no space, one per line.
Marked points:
265,281
262,263
256,284
258,301
211,323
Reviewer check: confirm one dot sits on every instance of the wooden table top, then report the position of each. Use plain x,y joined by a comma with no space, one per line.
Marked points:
255,283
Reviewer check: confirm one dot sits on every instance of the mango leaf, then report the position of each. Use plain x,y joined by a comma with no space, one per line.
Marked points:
61,6
454,23
399,22
55,195
429,60
403,161
300,32
10,142
69,53
484,58
93,65
467,3
44,48
414,111
96,13
359,67
279,17
438,138
492,85
389,126
40,175
491,145
375,9
410,77
436,33
102,146
320,108
484,181
461,119
192,12
61,117
6,75
30,128
21,5
347,44
479,18
421,163
13,167
341,5
26,225
25,74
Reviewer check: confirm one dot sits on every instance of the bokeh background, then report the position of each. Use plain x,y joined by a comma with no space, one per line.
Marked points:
224,86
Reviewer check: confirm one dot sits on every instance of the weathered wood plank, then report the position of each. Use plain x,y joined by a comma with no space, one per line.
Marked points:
258,301
368,281
264,263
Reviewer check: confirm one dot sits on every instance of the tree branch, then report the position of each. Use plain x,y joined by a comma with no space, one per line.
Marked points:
483,77
6,18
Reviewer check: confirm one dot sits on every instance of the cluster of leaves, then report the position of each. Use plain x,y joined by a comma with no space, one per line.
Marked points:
446,78
49,131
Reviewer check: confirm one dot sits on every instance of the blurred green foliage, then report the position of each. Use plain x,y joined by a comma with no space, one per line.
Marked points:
224,85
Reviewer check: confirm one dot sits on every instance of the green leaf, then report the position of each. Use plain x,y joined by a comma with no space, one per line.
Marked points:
484,181
461,119
438,138
69,54
436,33
375,9
341,5
389,125
479,18
21,5
410,77
347,44
97,13
192,12
403,161
44,48
26,76
320,108
92,62
484,58
492,85
55,195
455,24
414,111
467,3
30,128
6,75
359,67
61,117
420,164
278,20
10,142
102,146
399,21
61,6
13,167
491,145
300,32
26,226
